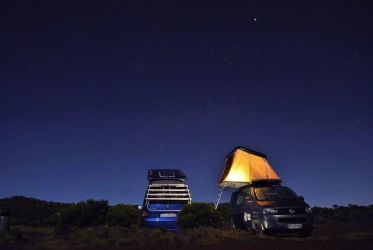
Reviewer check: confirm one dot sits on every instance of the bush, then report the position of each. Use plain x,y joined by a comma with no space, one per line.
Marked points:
82,214
199,214
122,215
30,211
223,210
111,241
51,220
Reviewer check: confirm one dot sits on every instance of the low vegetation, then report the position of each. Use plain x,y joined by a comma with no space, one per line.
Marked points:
31,211
41,224
199,214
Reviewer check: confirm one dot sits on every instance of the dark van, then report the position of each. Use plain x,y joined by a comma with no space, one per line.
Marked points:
165,197
270,208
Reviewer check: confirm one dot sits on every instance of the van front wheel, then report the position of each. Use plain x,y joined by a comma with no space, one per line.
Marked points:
258,227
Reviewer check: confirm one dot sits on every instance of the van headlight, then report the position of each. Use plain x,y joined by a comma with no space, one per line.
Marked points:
269,211
308,210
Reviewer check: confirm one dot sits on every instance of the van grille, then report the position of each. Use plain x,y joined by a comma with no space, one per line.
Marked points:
284,211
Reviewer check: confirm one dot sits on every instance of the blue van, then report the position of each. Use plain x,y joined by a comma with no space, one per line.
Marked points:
165,196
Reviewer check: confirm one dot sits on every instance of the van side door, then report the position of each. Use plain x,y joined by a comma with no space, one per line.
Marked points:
240,208
235,208
256,208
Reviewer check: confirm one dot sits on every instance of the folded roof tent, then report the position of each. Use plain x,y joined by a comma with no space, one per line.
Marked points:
243,167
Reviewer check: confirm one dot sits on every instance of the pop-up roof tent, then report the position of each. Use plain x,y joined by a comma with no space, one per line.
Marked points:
244,166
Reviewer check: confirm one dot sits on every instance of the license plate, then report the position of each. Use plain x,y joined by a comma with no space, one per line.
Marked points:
168,215
294,226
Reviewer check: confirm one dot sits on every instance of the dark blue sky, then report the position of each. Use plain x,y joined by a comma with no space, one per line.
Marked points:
93,95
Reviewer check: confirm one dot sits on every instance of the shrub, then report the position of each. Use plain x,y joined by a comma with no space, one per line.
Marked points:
223,210
122,215
199,214
30,211
82,214
51,220
102,232
111,241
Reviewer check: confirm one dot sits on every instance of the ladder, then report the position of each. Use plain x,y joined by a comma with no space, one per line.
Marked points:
219,196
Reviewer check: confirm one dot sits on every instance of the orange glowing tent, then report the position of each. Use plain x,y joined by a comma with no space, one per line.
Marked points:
244,166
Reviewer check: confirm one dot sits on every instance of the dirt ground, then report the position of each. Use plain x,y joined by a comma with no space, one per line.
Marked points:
327,237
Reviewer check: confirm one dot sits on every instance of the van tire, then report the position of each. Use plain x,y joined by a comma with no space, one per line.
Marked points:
254,226
257,225
232,224
253,229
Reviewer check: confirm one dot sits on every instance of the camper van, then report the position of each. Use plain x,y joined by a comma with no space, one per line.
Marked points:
165,196
270,208
260,202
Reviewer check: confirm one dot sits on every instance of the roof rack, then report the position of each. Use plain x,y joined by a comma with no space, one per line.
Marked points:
168,192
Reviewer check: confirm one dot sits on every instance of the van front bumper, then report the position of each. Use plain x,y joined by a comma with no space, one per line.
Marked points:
287,223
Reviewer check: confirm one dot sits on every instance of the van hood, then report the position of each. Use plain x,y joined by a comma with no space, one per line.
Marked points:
282,203
163,207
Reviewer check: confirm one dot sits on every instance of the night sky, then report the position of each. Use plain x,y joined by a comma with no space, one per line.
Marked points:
94,94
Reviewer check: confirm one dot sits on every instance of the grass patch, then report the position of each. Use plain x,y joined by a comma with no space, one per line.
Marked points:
358,235
209,236
117,237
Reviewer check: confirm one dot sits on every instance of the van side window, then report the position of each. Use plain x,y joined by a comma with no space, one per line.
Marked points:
241,198
233,198
247,192
238,197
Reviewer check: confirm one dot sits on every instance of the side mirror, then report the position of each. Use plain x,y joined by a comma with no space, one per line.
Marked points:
249,199
139,207
301,198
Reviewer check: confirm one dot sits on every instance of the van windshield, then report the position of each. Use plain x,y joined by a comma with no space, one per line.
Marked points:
274,194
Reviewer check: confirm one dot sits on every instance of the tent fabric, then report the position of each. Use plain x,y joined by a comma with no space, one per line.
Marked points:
242,168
